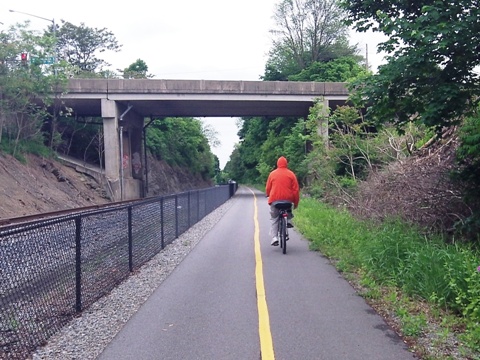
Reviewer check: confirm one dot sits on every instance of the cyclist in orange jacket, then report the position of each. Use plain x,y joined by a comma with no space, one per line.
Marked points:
282,185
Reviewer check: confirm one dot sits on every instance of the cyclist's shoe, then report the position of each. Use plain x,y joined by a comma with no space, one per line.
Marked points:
274,241
289,225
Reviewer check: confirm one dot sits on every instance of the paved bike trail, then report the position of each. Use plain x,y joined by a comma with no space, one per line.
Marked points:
208,307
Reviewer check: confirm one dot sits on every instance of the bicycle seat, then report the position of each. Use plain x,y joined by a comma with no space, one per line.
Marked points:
283,205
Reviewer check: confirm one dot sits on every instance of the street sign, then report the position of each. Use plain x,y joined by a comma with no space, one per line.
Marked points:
48,60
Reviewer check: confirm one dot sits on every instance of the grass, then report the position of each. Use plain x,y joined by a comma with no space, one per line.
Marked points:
419,281
25,147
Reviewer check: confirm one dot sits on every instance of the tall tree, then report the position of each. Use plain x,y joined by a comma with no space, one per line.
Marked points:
306,31
80,46
338,70
234,168
26,75
182,142
252,134
432,49
136,70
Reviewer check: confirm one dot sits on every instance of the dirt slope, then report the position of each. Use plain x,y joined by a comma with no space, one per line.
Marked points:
44,185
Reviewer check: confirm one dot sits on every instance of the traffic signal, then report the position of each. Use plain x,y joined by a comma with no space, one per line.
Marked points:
24,58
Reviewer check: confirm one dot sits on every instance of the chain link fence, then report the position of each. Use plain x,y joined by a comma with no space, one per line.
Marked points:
52,269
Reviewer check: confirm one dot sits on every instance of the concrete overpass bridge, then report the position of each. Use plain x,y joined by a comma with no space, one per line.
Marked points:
124,105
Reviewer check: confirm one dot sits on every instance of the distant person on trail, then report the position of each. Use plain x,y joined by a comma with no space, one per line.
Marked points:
282,185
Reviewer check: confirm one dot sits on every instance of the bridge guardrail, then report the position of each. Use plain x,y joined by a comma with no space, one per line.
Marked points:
54,268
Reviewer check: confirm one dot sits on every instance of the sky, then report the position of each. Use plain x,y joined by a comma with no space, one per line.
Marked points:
184,39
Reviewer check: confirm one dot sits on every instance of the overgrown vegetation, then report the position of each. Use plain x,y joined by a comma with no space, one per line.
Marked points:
23,78
182,142
432,52
401,271
468,174
310,38
399,119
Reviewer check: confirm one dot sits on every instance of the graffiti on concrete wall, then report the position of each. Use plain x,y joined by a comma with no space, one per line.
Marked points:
136,162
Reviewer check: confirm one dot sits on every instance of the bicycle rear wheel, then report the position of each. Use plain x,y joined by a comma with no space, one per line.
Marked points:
283,234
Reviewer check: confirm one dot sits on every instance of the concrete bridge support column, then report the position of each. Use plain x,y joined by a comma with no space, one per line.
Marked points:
323,121
322,109
112,147
132,163
123,151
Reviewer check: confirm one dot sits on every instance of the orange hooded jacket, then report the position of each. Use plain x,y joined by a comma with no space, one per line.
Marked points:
282,184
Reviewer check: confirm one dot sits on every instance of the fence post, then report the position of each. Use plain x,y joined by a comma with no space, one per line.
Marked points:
198,205
206,205
232,188
162,235
189,210
78,264
176,216
130,240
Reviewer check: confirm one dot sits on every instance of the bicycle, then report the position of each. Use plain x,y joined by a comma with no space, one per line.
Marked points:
283,209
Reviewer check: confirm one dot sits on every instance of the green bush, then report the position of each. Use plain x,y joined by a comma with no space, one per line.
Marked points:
468,174
18,150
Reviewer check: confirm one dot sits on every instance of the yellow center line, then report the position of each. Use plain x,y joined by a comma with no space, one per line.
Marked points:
266,343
